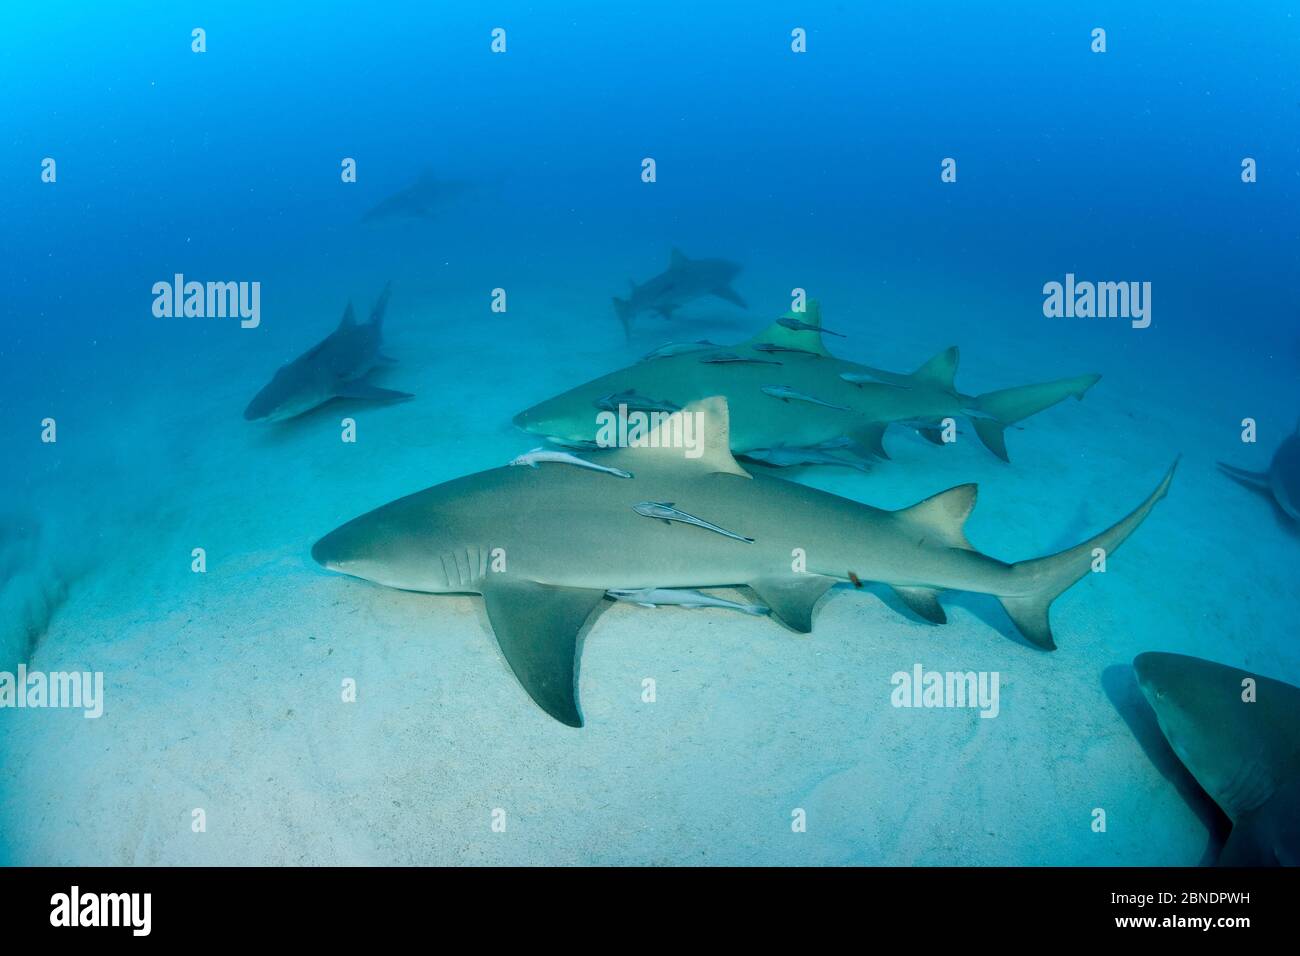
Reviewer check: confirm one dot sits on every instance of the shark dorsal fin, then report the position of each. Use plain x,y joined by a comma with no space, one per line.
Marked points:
944,515
940,371
707,425
806,339
677,259
349,317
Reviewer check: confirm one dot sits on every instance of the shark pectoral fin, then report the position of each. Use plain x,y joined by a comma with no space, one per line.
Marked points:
791,597
931,433
1255,480
924,602
993,434
360,389
731,295
869,440
537,628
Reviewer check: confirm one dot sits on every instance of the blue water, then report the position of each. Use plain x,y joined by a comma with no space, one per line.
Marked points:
817,170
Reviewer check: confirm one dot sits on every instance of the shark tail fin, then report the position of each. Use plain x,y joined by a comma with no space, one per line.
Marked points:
992,412
623,309
1040,581
381,306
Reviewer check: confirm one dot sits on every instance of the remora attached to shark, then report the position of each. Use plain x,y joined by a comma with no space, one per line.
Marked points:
568,535
860,407
1244,753
685,280
1282,480
334,368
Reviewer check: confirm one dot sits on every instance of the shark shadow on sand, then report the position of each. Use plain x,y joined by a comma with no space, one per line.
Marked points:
684,281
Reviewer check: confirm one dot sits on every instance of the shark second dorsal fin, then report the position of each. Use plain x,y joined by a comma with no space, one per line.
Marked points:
940,371
349,317
677,259
806,339
696,437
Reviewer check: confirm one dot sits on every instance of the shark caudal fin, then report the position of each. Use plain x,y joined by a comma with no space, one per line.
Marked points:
992,412
1040,581
381,306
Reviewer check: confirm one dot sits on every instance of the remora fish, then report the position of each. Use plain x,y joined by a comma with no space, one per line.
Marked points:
538,455
572,535
928,395
665,511
335,368
1282,480
785,393
1244,753
798,325
635,402
680,597
685,280
679,348
731,358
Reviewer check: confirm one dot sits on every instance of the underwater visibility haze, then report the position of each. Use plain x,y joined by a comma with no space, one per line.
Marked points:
694,434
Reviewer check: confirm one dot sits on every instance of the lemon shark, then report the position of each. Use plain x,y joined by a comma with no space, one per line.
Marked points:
544,544
336,367
685,280
1281,481
1244,753
810,400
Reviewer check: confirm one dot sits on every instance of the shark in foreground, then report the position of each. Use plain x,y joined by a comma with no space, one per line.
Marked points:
335,367
1244,754
543,546
809,400
685,280
1282,480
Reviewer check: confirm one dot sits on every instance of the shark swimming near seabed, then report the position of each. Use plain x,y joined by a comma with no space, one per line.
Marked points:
1281,482
570,535
336,367
1243,750
423,199
812,399
685,280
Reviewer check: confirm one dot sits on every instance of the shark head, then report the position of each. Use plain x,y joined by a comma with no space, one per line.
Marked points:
570,417
395,545
1199,707
290,392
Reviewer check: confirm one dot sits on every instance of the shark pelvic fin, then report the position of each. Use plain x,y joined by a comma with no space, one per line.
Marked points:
940,371
805,339
943,516
708,421
1258,480
868,441
537,629
1042,580
924,602
792,596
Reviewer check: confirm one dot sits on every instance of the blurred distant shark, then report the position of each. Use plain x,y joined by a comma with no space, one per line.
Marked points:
423,199
811,399
683,281
1244,752
544,545
1282,480
334,368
